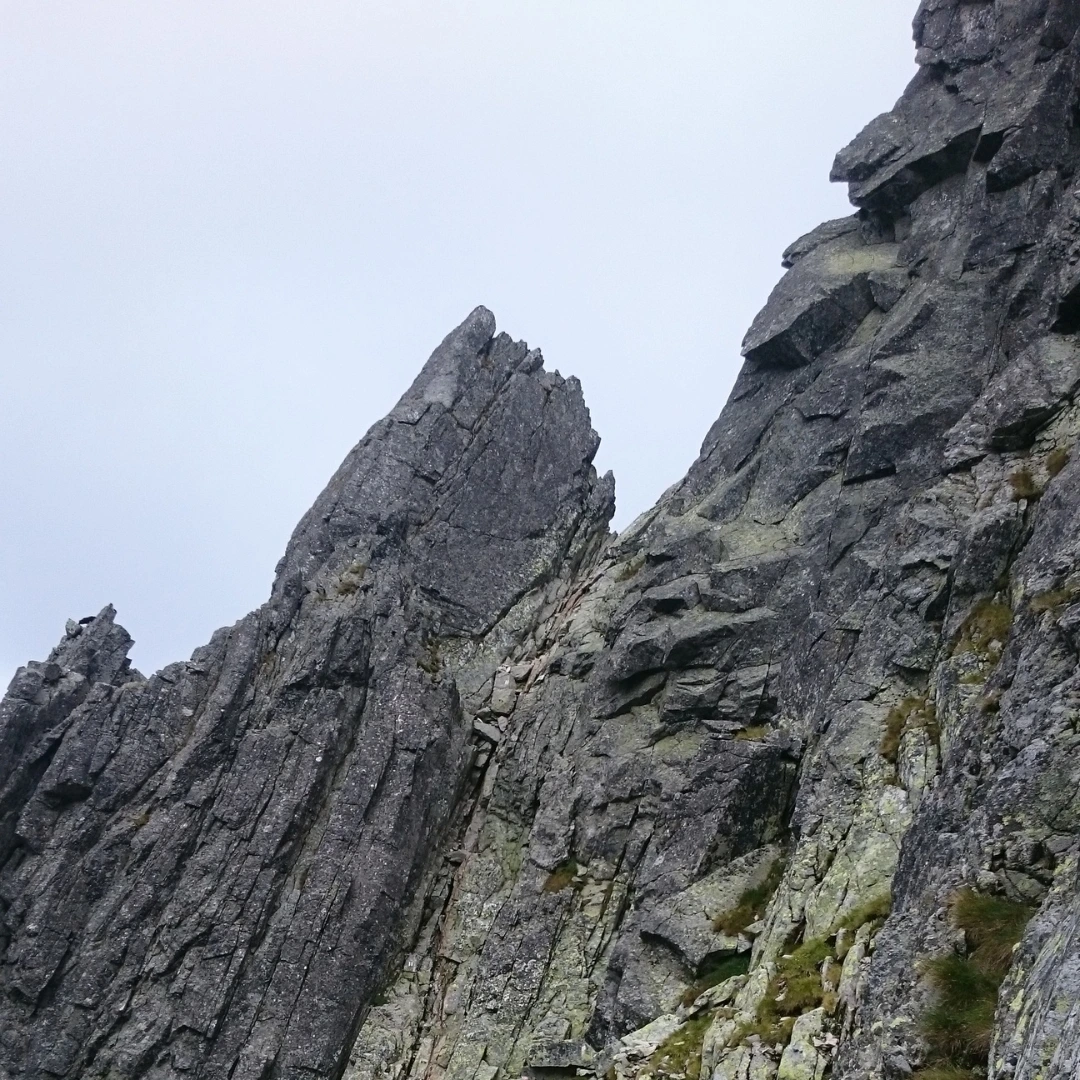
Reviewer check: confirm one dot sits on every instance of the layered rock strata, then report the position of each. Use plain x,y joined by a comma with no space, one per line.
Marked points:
484,792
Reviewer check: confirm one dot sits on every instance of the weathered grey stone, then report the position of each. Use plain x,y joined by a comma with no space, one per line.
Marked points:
214,869
803,1058
819,302
1019,401
479,789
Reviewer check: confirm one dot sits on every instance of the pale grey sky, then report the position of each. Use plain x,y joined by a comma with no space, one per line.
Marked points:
233,230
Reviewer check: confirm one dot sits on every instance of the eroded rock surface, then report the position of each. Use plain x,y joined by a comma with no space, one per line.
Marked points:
210,872
484,792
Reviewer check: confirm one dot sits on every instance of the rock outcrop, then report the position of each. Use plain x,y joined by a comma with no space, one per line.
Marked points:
212,871
782,782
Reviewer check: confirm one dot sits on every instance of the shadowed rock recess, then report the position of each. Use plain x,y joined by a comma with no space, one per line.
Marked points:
781,783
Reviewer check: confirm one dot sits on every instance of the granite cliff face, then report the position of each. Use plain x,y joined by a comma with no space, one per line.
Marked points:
782,782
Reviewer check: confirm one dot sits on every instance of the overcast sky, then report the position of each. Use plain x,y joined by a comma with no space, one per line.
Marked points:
233,231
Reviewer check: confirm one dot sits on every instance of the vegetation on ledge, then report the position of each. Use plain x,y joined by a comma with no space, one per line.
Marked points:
715,973
679,1055
911,714
752,903
960,1026
987,624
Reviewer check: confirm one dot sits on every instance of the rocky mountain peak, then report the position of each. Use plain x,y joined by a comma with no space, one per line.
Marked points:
778,784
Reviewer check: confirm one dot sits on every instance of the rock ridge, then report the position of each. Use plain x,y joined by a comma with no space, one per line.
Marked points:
209,871
484,792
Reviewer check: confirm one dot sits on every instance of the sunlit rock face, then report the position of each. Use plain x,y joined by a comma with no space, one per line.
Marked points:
483,791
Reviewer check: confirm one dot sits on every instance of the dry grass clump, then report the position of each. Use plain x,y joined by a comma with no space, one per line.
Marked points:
1023,485
988,622
912,713
1056,460
1054,599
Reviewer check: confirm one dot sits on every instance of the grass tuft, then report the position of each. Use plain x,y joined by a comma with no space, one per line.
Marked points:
911,714
1023,485
993,926
679,1055
797,986
874,910
960,1025
771,1032
988,622
1054,599
945,1072
721,970
1056,460
562,876
751,905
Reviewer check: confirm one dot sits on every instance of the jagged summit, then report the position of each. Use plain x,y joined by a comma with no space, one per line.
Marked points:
216,866
780,783
483,468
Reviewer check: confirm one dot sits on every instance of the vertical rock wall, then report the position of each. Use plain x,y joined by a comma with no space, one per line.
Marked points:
840,647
